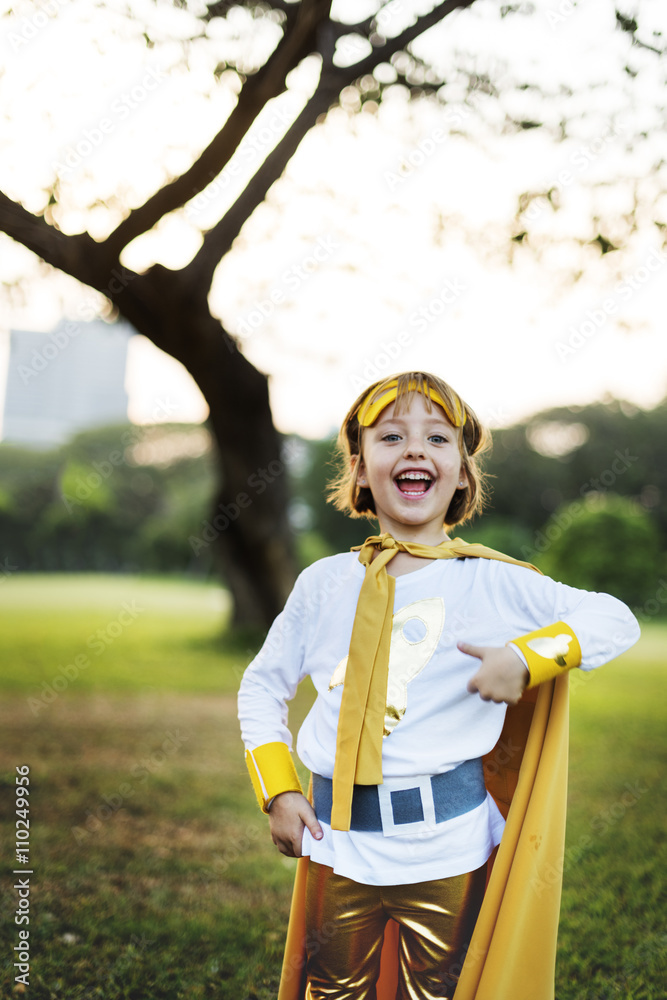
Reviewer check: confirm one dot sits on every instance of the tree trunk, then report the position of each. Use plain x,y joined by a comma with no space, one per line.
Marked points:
249,527
250,523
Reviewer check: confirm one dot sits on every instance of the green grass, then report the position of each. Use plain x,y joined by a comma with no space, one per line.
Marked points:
154,875
88,633
613,942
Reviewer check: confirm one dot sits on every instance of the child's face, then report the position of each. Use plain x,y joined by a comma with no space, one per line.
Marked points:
412,465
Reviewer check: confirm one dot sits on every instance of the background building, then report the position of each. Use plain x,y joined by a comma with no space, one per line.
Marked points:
65,381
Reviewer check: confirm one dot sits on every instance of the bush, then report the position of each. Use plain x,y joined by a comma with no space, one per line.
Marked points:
605,543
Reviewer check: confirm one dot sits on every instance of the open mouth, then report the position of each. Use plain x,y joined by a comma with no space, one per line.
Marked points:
414,484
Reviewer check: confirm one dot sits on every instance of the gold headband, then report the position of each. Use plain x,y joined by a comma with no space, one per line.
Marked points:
369,412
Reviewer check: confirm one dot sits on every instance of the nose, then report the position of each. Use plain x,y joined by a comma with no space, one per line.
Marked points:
414,448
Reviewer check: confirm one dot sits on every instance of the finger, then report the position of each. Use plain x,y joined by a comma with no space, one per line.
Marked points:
467,647
475,688
490,694
284,846
297,842
310,819
284,839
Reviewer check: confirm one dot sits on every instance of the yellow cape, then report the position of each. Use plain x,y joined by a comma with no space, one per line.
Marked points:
512,954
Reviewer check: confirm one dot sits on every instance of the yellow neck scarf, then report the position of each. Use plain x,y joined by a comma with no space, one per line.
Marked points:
361,719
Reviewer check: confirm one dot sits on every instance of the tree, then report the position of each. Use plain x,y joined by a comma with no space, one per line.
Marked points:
171,307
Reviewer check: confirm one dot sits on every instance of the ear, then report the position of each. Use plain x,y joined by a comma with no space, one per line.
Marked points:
463,479
356,461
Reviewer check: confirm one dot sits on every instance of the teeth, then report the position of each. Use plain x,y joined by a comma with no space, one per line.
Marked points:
415,475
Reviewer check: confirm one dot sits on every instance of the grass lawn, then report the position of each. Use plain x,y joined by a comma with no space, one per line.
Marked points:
154,876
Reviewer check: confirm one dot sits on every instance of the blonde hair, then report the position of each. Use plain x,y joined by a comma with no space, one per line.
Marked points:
344,491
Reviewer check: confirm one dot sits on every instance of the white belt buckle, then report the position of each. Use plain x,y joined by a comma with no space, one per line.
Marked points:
392,829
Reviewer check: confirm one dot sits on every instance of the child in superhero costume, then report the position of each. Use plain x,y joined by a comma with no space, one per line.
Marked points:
439,730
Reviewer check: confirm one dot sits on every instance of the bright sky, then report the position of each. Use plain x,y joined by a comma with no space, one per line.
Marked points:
384,248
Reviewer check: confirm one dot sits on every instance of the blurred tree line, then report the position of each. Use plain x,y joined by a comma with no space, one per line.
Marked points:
115,499
580,492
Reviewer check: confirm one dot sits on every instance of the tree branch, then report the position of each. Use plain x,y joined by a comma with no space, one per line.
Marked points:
77,255
199,272
223,7
138,296
266,84
219,239
360,27
392,45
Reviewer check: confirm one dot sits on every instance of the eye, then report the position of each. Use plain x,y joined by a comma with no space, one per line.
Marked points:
438,438
391,437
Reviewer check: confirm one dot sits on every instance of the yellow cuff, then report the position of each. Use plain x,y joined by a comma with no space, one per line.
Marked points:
271,771
549,651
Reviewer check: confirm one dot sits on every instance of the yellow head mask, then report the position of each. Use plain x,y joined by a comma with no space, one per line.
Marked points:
371,407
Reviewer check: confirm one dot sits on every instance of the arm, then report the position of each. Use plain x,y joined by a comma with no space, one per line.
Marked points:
268,684
559,628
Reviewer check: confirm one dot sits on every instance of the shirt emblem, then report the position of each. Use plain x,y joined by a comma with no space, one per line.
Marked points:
415,634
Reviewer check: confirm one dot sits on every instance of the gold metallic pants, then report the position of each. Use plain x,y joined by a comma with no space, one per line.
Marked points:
345,924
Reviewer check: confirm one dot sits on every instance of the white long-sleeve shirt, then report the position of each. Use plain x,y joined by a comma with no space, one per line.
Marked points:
482,601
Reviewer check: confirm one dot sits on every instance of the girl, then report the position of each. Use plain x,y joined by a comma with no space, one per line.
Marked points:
416,647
